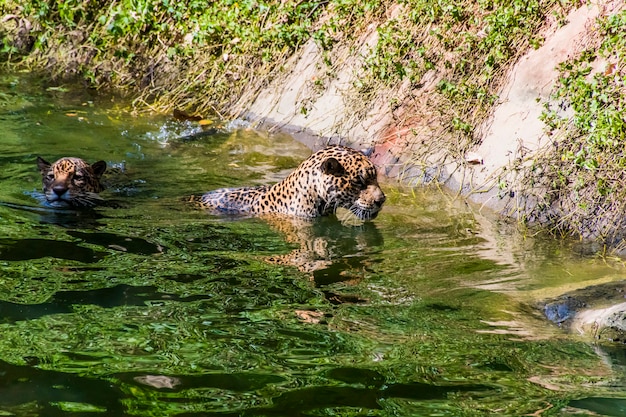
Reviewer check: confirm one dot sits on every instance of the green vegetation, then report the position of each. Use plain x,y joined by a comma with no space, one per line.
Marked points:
196,55
584,174
204,55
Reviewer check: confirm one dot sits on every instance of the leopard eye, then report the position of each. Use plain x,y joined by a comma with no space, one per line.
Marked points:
360,183
49,177
78,178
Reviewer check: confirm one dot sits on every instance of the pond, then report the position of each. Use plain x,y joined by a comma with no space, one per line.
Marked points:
150,306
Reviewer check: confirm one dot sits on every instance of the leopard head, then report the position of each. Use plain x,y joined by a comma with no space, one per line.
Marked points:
349,180
72,182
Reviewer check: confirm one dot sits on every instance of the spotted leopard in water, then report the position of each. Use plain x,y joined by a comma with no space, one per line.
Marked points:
72,182
334,177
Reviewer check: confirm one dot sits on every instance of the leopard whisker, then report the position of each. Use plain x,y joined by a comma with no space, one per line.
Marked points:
350,218
87,199
331,206
362,213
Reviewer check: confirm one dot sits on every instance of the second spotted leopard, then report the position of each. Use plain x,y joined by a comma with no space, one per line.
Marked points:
334,177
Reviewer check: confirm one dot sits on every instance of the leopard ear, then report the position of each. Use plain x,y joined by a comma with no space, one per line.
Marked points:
43,165
99,168
332,167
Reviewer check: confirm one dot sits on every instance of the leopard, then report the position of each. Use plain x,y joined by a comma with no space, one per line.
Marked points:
334,177
71,182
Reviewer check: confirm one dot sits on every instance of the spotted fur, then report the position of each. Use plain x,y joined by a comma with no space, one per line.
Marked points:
72,181
334,177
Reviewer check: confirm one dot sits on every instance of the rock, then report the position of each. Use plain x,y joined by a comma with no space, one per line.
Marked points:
597,311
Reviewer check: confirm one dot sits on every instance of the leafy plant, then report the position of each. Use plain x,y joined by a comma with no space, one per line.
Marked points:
587,115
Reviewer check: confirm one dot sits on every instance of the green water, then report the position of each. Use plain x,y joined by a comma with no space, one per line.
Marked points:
151,307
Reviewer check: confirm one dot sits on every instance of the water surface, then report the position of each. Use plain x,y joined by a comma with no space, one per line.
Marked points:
151,307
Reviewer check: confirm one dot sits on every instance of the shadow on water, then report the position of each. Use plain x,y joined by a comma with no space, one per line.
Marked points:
300,402
297,402
49,389
86,219
237,382
606,405
28,385
26,249
64,217
614,407
63,301
114,241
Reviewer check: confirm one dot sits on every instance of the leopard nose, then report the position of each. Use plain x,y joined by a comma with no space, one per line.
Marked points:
59,189
380,200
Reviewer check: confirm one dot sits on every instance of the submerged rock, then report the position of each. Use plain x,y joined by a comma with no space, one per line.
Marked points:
598,311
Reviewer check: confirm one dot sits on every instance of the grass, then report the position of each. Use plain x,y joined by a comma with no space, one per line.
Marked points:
195,55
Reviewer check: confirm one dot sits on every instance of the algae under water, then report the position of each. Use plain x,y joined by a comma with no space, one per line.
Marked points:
151,307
